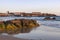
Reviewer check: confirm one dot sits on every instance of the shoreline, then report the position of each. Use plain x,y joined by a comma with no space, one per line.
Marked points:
5,37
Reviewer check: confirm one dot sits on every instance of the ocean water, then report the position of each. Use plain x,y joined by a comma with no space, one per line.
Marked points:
48,29
35,18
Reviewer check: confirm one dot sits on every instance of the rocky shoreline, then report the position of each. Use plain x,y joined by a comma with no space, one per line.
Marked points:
17,26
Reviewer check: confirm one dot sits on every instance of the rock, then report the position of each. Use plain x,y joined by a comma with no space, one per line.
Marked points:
18,26
48,18
53,18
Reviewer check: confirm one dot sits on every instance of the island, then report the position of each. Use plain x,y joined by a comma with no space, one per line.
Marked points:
18,14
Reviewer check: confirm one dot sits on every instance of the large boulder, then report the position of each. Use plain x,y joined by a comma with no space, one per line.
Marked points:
18,26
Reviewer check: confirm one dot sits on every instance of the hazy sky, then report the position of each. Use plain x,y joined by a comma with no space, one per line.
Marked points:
50,6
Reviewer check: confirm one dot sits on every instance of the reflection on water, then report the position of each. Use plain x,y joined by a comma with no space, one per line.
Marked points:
48,30
43,31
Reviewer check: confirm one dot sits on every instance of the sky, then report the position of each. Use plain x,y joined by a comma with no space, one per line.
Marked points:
44,6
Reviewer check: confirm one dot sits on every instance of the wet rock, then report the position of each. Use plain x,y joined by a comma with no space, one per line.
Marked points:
48,18
18,26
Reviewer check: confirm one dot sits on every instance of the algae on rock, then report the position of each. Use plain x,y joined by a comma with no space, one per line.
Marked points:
18,26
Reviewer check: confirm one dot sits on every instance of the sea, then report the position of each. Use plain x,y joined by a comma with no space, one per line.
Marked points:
48,29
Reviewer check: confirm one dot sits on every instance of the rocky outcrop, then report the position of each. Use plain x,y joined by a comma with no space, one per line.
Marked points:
48,18
17,26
